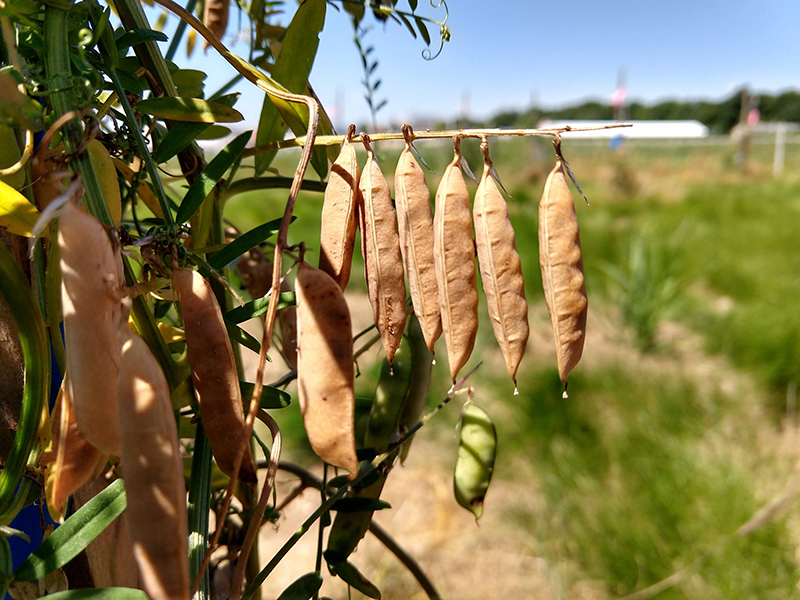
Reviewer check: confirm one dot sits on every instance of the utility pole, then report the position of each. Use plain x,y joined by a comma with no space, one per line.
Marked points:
619,97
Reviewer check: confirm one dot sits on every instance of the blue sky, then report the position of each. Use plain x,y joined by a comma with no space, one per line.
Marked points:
506,54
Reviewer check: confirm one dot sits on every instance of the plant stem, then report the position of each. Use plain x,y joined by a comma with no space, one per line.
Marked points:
176,38
426,134
152,169
59,75
199,498
309,480
18,297
258,513
296,536
132,16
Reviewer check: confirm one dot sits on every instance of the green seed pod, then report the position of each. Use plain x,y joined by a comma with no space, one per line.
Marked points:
421,367
382,429
476,453
390,396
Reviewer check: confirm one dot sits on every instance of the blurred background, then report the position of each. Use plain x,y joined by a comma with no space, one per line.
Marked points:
682,420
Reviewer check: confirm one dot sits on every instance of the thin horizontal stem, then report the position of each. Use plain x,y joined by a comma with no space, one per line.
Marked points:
425,134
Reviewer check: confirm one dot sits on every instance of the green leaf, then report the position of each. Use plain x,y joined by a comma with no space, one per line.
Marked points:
114,593
214,132
423,30
302,588
353,577
339,481
271,397
192,110
188,78
75,534
130,82
257,307
183,134
137,36
292,68
413,5
210,177
241,337
356,10
245,242
357,504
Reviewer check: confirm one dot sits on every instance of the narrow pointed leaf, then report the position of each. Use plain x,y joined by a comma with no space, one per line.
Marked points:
356,504
257,307
292,68
193,110
302,588
271,397
210,177
137,36
423,30
184,133
353,577
116,593
241,337
244,243
75,534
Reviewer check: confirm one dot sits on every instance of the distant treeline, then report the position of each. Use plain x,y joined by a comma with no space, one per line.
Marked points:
719,117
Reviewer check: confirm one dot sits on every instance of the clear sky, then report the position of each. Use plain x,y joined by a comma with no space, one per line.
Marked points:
511,53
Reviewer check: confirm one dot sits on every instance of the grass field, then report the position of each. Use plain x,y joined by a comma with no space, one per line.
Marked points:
681,422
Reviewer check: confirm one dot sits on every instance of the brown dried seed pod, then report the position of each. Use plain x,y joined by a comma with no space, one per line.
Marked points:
501,269
325,369
256,272
72,461
214,373
91,280
215,17
338,229
383,262
562,270
153,472
454,259
415,225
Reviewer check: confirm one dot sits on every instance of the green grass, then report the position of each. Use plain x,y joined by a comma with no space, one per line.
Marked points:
632,493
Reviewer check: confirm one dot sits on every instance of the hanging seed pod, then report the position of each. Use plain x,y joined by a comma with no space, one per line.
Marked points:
562,269
338,229
153,472
325,369
501,269
91,288
72,461
382,258
454,259
215,17
477,448
415,225
214,373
